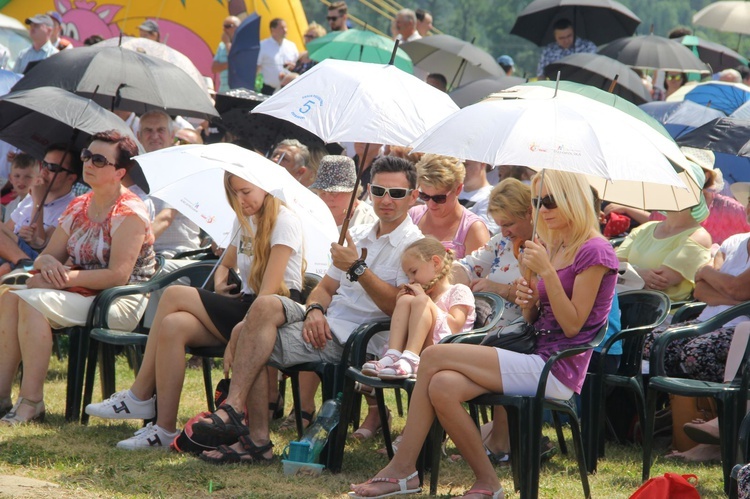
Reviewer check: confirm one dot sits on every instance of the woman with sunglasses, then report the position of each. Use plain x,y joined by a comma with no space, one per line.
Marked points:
267,249
314,30
440,181
673,81
106,235
570,298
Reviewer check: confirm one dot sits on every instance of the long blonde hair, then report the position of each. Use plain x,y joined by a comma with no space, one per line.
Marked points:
576,204
425,249
266,217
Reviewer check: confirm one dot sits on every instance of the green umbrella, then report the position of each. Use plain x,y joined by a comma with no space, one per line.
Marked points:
607,98
358,45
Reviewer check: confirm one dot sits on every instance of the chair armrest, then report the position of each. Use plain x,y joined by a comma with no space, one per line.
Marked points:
688,311
355,350
656,361
625,334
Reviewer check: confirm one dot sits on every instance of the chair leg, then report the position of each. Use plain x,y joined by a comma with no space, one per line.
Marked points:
399,402
107,370
76,366
648,433
208,384
386,428
88,390
294,376
514,427
559,431
580,457
592,415
347,411
730,416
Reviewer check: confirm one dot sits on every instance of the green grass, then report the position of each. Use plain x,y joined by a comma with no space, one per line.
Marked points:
84,462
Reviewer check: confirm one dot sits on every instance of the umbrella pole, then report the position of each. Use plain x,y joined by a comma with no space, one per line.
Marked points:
613,84
526,270
357,181
218,262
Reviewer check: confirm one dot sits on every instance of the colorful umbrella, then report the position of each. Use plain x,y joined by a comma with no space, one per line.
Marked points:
721,95
358,45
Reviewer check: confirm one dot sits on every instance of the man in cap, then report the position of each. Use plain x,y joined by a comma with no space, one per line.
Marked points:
566,43
149,29
58,42
506,62
40,32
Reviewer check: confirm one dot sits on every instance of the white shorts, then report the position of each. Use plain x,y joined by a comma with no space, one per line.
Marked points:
521,374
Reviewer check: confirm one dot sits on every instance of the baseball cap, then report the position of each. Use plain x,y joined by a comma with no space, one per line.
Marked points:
41,19
505,60
150,25
55,16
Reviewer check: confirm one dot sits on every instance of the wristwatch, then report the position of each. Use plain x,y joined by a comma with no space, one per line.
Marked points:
314,306
356,270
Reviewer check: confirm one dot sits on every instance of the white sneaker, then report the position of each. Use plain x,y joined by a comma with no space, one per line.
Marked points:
122,405
150,436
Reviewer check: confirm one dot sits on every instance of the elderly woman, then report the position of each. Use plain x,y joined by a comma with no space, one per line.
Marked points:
334,185
106,234
440,181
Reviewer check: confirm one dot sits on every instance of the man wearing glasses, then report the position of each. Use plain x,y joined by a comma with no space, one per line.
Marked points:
221,59
32,223
355,290
337,16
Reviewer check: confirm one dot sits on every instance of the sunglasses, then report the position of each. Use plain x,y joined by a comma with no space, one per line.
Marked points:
330,19
227,26
673,77
54,167
394,192
98,160
437,198
308,37
547,201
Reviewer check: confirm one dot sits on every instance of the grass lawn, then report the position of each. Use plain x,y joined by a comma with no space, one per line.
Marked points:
84,462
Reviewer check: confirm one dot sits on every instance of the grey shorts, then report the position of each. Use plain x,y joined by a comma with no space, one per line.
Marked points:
290,349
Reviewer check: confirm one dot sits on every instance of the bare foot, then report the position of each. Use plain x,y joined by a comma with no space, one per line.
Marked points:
701,453
385,483
703,432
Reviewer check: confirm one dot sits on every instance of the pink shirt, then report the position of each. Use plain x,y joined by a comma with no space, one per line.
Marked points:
457,243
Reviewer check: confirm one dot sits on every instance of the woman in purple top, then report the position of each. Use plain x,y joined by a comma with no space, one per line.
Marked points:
571,299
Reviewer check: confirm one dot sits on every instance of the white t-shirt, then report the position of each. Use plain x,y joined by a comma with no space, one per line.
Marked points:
735,263
181,235
287,232
351,305
412,37
273,56
21,216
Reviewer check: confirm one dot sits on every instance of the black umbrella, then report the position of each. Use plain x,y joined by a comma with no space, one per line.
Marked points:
600,21
238,98
654,52
728,135
715,55
473,92
599,71
118,78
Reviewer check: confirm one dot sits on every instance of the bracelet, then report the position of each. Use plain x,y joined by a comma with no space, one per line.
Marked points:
311,307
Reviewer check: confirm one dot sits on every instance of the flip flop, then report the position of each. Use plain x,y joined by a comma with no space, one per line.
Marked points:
498,494
402,487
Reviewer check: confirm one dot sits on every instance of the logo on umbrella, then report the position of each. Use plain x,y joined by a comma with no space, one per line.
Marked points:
310,101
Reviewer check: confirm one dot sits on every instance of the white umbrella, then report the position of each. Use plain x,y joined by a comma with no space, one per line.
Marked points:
13,24
625,159
725,16
191,179
359,102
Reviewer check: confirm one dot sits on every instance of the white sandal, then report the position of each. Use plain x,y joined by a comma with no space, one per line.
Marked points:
12,418
402,487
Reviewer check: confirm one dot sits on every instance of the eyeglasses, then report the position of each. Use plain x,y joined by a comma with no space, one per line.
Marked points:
673,77
330,19
54,167
394,192
437,198
227,26
98,160
308,37
547,201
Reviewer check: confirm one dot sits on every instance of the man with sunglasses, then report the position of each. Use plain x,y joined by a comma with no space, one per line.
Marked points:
221,59
338,15
26,234
355,290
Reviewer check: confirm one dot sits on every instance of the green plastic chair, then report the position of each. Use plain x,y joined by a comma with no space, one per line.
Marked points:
352,374
688,311
640,312
731,398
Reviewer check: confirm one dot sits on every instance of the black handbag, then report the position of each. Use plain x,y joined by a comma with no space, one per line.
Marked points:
519,336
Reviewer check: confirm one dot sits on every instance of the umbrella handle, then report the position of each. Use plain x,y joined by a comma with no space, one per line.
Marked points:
357,181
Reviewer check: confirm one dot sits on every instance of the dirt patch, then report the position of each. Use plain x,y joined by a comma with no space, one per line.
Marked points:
18,486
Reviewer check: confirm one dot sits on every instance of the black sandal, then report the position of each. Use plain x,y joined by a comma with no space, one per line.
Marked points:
277,408
290,423
253,454
224,433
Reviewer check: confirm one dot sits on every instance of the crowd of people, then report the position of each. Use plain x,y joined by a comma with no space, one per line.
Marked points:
425,232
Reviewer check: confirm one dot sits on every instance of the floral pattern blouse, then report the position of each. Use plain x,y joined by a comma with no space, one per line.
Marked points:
89,242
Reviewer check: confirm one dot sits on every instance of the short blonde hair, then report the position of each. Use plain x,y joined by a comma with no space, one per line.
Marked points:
511,198
317,29
575,201
438,171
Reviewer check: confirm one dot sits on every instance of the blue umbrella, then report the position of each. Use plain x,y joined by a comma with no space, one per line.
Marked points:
7,80
681,117
720,95
243,56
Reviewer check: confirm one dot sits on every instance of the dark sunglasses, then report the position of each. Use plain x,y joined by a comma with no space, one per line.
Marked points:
547,201
227,26
437,198
98,160
331,18
54,167
394,192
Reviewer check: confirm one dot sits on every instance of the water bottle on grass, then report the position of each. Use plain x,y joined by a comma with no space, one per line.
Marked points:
317,433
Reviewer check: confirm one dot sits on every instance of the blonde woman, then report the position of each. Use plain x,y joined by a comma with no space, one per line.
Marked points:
440,181
267,249
577,272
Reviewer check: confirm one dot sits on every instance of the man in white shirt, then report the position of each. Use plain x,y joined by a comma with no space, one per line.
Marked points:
277,56
35,218
406,26
40,32
353,291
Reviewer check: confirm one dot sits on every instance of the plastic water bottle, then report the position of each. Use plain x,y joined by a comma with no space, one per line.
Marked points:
328,417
